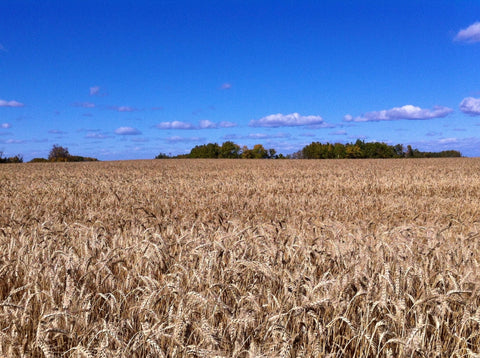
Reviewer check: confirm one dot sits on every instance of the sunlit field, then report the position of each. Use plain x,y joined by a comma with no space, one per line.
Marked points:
240,258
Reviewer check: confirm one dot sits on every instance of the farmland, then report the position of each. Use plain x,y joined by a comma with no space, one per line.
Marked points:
240,258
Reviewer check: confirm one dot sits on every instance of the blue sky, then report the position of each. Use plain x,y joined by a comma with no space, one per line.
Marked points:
130,79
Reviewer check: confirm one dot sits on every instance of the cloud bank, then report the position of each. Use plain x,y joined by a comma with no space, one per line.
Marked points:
203,124
405,112
286,120
471,34
226,124
175,125
206,124
470,106
4,103
127,131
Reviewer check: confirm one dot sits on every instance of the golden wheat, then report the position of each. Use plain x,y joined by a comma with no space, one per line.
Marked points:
240,258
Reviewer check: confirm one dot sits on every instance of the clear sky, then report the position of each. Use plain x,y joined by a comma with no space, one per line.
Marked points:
131,79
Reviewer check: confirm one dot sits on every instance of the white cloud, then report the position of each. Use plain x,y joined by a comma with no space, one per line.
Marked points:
339,132
125,109
96,135
206,124
286,120
94,90
4,103
470,34
127,131
447,140
14,141
405,112
257,136
470,106
226,124
6,125
175,125
226,86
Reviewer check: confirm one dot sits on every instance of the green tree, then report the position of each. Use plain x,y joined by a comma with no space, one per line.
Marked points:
259,152
210,150
271,153
229,150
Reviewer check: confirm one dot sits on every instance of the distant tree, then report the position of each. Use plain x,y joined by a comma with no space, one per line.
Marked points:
162,156
399,152
271,153
58,154
210,150
247,153
38,160
259,152
229,150
16,159
409,153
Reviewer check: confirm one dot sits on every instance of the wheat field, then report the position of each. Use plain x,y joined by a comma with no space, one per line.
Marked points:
241,258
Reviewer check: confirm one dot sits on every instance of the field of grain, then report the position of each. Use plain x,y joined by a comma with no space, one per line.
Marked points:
240,258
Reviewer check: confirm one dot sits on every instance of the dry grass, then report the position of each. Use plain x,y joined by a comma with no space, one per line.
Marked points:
217,258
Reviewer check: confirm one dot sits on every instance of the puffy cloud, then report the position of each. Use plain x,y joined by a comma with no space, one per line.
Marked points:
206,124
286,120
227,124
470,106
4,103
448,140
405,112
6,125
470,34
127,131
175,125
226,86
124,108
96,135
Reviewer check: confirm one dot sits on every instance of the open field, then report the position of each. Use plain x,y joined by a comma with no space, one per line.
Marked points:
240,258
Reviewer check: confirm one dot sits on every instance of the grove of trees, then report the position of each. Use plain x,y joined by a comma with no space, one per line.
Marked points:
362,149
16,159
315,150
61,154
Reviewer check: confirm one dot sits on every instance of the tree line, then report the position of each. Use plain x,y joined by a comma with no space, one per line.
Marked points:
362,149
57,154
315,150
231,150
228,150
16,159
61,154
